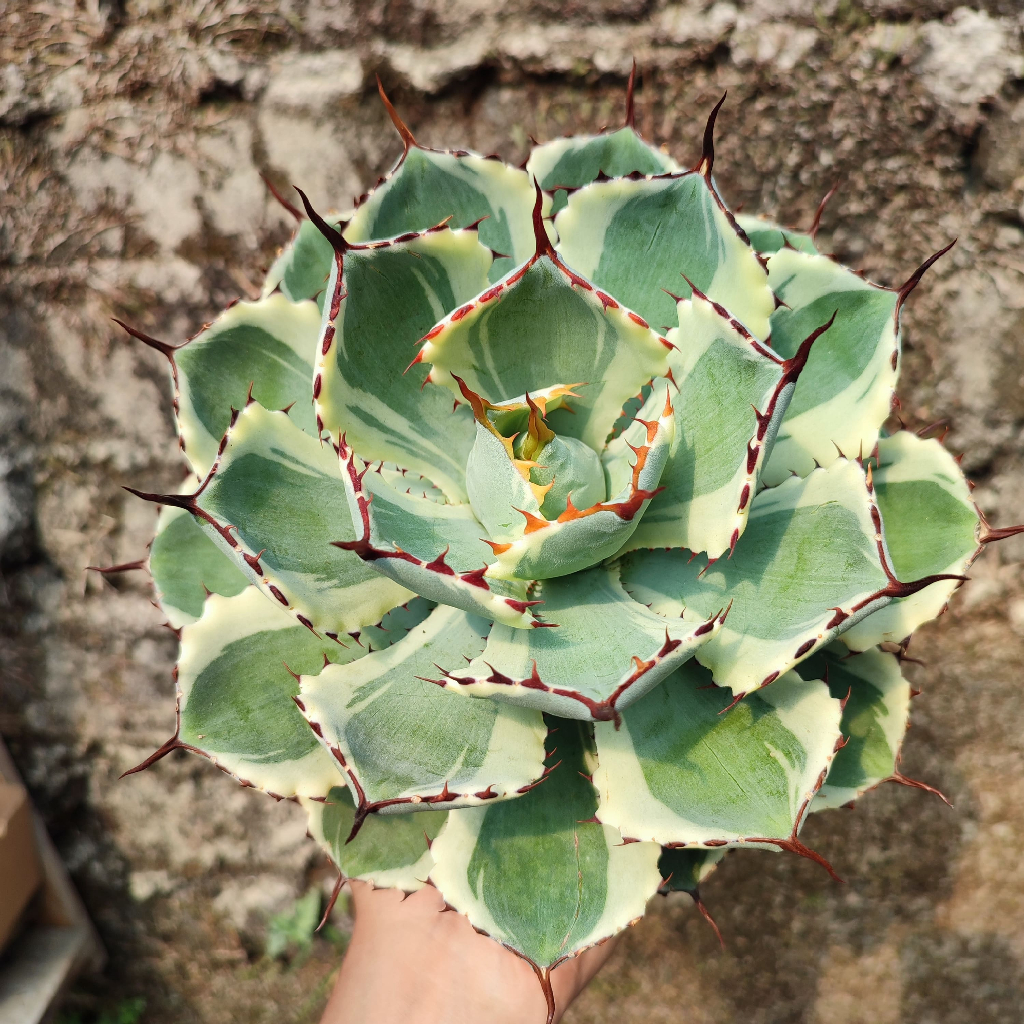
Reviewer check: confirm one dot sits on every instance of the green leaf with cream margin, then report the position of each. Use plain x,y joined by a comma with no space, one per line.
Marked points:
845,391
684,768
536,873
767,237
732,392
382,301
436,550
875,720
391,851
235,690
931,527
634,240
579,159
407,744
186,564
810,564
428,186
273,502
605,653
269,345
683,870
301,270
541,326
580,538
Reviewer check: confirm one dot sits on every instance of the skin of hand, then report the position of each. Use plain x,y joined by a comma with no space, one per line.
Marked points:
412,961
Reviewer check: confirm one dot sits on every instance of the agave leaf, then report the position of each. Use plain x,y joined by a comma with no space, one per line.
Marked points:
391,851
811,563
569,473
874,722
767,237
578,160
579,538
931,527
186,564
300,272
407,744
427,186
732,394
845,392
683,870
436,550
536,873
383,299
394,625
273,502
541,326
513,415
556,669
235,694
420,526
266,345
499,492
681,769
634,239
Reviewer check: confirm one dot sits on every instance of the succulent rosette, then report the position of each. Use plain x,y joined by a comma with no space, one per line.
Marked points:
542,537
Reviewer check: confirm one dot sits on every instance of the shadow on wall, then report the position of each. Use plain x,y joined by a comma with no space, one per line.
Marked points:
46,746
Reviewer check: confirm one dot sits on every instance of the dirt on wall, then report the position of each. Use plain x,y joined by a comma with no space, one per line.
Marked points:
132,139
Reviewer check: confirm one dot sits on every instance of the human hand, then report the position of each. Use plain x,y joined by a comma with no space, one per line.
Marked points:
411,961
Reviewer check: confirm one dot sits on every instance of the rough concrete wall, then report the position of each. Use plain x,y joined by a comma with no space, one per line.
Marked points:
132,136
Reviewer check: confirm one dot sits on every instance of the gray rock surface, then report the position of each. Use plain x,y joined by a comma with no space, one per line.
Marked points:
132,137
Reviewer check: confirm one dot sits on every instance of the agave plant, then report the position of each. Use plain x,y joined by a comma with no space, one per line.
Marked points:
541,536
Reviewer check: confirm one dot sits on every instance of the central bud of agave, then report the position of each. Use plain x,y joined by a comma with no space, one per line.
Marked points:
559,467
574,507
553,502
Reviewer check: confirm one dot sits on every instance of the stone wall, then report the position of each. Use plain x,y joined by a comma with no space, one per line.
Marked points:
132,137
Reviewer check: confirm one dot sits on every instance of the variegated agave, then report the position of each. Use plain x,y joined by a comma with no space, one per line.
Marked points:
468,533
